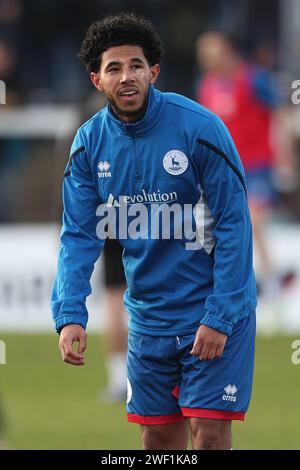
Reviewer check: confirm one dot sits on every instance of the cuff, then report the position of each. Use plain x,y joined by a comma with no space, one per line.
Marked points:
69,319
220,325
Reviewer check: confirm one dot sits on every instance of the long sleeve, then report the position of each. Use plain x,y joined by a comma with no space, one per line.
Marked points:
223,183
80,246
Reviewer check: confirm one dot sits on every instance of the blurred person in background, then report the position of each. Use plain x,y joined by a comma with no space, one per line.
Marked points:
115,329
3,444
246,97
115,333
282,136
13,150
11,50
9,73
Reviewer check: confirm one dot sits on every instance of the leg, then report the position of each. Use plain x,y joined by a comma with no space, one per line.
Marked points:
262,197
116,331
213,393
115,327
153,374
269,279
210,434
165,437
115,345
259,215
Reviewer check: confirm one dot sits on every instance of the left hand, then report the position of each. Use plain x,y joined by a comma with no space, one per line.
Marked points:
209,343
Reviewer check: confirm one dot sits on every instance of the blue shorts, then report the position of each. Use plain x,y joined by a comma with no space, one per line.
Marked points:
166,384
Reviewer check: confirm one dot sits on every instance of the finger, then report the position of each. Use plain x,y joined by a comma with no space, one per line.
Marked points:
74,362
211,354
62,350
65,347
197,349
82,344
71,357
204,353
219,351
68,349
68,353
197,346
74,355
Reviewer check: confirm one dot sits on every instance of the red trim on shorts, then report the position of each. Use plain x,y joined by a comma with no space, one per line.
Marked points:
212,414
152,420
175,391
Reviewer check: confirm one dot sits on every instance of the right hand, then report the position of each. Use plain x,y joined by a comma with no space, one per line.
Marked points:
68,335
209,343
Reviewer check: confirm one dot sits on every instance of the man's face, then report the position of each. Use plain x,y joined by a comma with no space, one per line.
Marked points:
125,76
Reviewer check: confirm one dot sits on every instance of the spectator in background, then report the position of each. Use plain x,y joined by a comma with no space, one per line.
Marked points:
282,135
115,324
245,97
11,17
11,49
115,330
13,151
2,441
8,72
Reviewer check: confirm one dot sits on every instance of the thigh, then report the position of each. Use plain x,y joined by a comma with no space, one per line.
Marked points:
153,372
221,388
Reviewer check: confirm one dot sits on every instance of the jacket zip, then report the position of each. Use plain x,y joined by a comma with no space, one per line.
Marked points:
137,172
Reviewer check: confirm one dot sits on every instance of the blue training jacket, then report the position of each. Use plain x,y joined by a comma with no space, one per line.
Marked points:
178,153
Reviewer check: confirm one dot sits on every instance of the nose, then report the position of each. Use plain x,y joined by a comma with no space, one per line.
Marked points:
127,75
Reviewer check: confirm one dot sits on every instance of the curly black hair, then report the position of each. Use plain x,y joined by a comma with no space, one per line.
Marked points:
119,30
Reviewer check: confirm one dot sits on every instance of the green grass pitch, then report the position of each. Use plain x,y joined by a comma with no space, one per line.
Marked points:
52,405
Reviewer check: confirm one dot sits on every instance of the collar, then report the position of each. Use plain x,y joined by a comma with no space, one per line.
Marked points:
156,103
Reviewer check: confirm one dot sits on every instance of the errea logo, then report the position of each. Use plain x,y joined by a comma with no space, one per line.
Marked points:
230,391
103,168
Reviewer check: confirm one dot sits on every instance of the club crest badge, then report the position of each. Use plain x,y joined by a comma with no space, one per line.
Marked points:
175,162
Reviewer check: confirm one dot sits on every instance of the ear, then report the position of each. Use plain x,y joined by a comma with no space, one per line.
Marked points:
155,69
96,81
